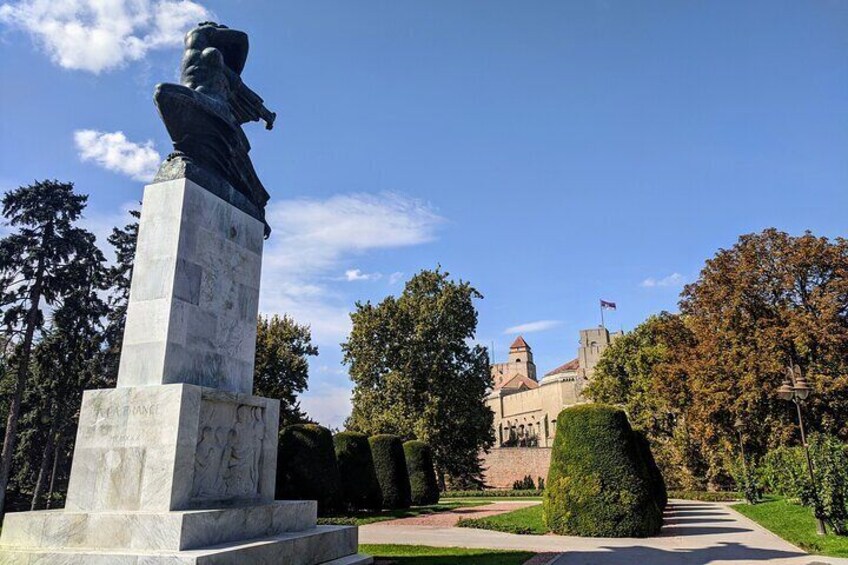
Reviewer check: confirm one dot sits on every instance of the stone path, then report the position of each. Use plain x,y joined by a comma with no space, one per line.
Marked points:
696,533
451,517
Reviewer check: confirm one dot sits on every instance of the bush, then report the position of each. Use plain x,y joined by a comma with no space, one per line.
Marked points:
422,474
307,468
524,484
390,465
783,471
706,496
598,485
658,488
490,493
360,488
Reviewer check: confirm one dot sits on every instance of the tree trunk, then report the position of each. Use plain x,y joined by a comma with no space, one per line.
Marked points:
46,459
22,375
57,451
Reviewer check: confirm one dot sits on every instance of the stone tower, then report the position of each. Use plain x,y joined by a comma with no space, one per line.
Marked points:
592,344
521,357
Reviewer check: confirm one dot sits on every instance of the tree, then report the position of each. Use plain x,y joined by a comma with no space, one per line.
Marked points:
282,367
415,374
119,276
34,272
769,300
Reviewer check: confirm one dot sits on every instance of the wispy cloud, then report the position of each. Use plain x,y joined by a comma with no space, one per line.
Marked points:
395,277
114,152
674,279
353,275
314,238
327,404
97,35
530,327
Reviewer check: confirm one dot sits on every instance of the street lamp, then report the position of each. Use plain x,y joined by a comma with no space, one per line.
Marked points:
739,425
796,389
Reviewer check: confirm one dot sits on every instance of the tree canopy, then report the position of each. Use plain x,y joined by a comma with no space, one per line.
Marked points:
417,375
770,300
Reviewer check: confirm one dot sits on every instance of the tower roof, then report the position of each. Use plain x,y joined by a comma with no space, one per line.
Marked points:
519,343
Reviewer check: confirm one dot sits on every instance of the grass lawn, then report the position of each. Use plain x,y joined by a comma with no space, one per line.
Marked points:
522,521
422,555
795,524
364,518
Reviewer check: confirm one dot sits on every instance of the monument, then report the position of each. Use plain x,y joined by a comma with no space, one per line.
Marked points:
177,463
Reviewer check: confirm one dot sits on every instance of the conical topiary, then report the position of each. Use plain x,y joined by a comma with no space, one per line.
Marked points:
360,488
422,474
390,465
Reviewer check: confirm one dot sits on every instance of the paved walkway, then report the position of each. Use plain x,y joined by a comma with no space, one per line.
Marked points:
696,533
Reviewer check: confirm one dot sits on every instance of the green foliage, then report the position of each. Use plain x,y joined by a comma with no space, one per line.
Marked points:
524,521
390,465
658,488
489,493
784,472
47,262
360,488
307,468
281,370
524,484
422,475
598,484
706,496
416,375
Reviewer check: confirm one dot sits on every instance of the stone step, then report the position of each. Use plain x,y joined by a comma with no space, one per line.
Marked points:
154,531
358,559
319,545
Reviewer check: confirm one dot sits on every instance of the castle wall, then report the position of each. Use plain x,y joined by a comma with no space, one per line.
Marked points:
509,464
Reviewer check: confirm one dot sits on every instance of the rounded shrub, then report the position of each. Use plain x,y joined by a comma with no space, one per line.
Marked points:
658,486
360,488
390,465
422,474
307,468
598,485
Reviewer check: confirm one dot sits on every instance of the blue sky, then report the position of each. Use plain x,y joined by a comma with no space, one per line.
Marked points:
552,153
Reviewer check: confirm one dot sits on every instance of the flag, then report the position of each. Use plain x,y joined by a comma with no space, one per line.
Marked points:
607,305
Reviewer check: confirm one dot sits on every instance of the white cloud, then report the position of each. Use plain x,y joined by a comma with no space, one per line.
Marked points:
674,279
113,151
101,35
353,275
313,238
395,277
530,327
327,404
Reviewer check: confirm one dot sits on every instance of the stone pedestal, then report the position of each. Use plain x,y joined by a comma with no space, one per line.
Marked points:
177,464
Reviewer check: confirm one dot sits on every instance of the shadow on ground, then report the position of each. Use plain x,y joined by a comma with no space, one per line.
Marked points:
726,552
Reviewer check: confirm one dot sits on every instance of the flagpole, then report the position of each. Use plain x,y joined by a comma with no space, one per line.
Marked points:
602,315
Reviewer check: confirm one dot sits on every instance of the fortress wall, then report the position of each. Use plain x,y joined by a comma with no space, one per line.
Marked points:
503,466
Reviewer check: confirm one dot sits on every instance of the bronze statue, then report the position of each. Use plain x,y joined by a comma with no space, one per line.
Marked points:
204,114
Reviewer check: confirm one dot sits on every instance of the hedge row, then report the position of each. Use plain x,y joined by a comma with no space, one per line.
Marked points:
491,493
600,483
353,472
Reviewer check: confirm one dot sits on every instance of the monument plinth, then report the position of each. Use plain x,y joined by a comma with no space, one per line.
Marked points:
177,464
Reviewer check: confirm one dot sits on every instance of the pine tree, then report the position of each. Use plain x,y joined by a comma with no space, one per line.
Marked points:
34,267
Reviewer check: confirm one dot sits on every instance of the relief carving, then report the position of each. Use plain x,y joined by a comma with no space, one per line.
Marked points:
228,459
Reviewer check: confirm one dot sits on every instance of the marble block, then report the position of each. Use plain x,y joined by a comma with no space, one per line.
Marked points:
173,447
194,297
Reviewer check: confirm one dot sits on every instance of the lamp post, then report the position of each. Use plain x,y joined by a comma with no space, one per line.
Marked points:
739,425
796,389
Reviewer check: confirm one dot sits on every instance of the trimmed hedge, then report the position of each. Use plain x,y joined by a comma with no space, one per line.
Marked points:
390,465
707,496
491,493
307,468
598,485
658,488
422,474
360,488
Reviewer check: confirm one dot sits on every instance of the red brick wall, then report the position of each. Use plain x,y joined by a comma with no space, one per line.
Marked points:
505,465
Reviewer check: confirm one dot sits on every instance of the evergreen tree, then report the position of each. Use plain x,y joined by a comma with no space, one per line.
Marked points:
416,375
34,272
123,240
281,370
